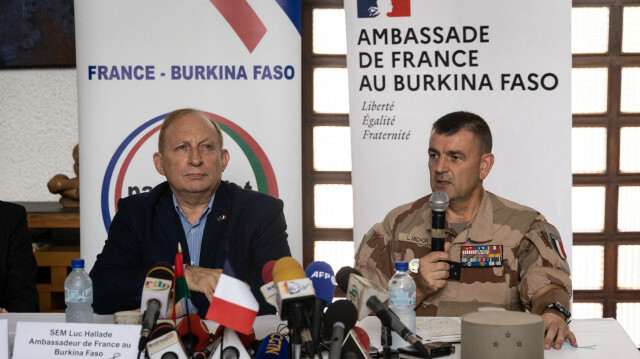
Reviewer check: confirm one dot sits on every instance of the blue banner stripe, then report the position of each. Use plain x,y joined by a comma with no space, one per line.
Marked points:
293,9
106,182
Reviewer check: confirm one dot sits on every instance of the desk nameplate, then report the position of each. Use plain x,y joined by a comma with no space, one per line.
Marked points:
71,340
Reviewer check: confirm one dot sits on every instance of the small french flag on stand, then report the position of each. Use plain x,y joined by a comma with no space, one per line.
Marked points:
233,305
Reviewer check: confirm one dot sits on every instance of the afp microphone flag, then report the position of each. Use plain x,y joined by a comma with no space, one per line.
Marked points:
233,305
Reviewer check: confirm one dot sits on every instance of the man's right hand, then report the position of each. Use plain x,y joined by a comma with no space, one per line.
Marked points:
204,280
434,272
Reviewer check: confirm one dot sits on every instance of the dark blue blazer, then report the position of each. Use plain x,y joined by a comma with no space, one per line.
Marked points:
18,266
246,226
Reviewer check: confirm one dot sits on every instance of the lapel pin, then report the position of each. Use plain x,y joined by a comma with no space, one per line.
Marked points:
222,218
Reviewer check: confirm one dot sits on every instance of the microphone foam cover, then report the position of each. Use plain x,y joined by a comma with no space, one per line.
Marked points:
342,311
324,282
200,334
161,270
342,277
439,201
273,346
287,268
161,329
267,271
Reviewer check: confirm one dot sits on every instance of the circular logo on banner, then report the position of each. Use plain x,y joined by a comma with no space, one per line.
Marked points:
131,171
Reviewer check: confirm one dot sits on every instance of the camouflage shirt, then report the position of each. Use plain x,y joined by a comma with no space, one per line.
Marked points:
533,256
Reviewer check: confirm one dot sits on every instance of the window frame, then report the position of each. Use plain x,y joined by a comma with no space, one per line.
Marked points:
310,119
609,296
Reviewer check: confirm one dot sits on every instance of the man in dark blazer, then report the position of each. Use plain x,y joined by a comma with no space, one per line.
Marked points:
18,266
211,219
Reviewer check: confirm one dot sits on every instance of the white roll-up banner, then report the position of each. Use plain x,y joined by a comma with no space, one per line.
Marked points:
411,62
138,60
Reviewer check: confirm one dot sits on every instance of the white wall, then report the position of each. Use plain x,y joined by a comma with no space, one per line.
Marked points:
38,129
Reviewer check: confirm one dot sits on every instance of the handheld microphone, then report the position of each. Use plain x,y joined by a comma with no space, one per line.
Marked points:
155,298
356,345
295,298
268,290
439,202
273,346
324,284
165,343
359,289
341,317
198,336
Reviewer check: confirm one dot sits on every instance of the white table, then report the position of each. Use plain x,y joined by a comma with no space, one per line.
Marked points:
609,337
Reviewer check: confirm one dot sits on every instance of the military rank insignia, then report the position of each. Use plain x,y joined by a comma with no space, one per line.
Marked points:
481,256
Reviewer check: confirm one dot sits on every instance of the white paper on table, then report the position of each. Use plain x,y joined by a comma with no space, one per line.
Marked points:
439,326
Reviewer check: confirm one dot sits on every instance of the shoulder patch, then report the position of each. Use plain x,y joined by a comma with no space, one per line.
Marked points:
556,241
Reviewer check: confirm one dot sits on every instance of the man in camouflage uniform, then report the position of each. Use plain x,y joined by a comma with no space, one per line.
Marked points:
530,273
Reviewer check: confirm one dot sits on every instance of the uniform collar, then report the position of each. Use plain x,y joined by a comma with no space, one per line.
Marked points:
480,228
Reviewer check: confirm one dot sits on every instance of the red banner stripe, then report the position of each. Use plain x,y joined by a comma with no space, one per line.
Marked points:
243,21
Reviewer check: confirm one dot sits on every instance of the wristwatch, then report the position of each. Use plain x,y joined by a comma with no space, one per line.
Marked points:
559,307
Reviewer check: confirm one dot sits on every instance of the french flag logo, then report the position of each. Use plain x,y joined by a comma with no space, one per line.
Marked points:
384,8
233,305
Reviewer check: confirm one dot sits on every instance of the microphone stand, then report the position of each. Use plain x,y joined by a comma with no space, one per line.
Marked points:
224,329
190,351
316,323
386,341
296,343
296,324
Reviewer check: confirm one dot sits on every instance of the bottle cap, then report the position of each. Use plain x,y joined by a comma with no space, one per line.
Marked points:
77,263
402,266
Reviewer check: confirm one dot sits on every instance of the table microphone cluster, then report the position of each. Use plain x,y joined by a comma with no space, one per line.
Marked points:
191,338
303,298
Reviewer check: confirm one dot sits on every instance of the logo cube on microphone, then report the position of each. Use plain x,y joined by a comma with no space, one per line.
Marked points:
299,287
292,291
168,343
157,284
360,289
159,289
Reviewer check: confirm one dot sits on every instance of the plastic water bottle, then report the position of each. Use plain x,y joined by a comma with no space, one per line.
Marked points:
78,294
402,301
